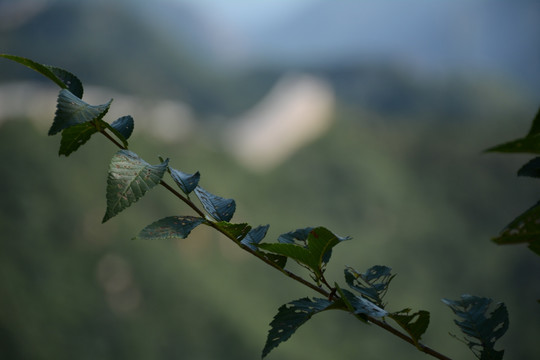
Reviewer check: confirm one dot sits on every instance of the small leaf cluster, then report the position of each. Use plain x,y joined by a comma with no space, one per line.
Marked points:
524,229
130,177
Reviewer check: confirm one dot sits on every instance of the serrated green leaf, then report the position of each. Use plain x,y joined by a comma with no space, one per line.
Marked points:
124,125
61,77
320,242
71,111
481,330
523,229
220,209
234,231
170,227
373,284
130,177
414,324
186,182
254,236
76,136
289,318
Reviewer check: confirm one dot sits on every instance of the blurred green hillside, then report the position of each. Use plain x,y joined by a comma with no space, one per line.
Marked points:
401,171
416,195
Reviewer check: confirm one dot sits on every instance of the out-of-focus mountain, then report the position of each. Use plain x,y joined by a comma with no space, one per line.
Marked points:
494,38
379,54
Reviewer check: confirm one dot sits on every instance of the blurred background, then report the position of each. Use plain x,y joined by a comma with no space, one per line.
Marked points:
367,117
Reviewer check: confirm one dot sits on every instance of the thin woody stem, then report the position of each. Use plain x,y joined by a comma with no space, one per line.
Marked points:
330,295
106,134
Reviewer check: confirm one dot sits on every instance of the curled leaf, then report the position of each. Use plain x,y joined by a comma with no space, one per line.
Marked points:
186,182
254,236
219,208
124,125
71,111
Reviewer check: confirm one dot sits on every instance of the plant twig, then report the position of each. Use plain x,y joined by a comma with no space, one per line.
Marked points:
330,295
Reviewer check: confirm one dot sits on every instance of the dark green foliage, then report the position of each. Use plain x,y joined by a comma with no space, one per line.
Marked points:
130,177
414,324
373,284
186,182
313,255
170,228
234,231
526,227
289,318
531,169
76,136
220,209
523,229
527,144
481,329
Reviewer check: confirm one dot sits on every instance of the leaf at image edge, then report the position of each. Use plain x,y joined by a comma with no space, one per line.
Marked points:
523,229
60,77
535,127
531,168
528,145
